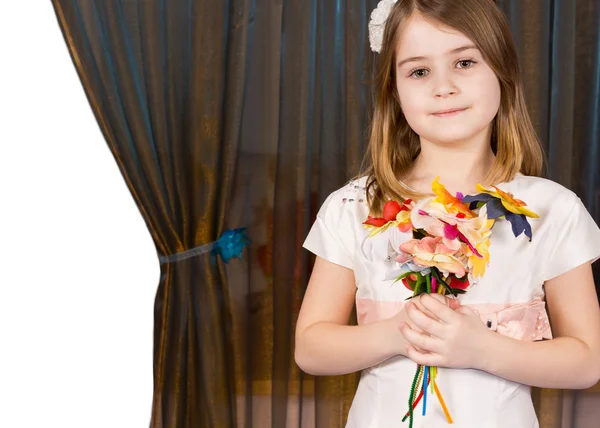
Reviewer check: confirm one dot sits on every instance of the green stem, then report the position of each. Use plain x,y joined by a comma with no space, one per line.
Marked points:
417,290
412,396
442,282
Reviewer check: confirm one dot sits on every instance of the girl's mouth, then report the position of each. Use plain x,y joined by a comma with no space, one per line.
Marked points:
449,113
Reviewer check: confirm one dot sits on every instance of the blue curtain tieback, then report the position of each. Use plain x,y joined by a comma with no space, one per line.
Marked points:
229,245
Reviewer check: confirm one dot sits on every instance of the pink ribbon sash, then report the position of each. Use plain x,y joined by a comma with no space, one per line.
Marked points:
524,321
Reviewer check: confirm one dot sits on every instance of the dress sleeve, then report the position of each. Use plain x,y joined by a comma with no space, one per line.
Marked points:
326,238
577,240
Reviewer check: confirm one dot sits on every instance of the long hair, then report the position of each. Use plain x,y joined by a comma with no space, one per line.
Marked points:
393,145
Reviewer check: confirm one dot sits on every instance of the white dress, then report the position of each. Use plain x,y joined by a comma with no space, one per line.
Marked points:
509,297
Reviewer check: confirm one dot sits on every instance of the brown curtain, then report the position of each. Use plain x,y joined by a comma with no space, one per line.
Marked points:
165,81
234,113
559,50
303,135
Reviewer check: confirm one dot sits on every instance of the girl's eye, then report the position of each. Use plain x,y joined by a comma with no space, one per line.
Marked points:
468,62
418,73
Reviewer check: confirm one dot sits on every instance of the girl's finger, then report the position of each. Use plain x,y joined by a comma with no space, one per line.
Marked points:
425,323
422,341
417,302
451,302
410,327
424,359
444,312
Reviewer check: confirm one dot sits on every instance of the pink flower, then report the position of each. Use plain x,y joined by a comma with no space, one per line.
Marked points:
432,252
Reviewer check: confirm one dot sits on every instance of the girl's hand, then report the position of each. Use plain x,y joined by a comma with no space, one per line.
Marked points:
398,340
456,339
448,301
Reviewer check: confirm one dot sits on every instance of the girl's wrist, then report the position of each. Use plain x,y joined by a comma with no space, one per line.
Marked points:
487,350
394,340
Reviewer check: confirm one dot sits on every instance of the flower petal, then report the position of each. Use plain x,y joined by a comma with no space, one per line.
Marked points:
519,224
403,257
510,207
495,209
391,210
450,232
375,221
528,213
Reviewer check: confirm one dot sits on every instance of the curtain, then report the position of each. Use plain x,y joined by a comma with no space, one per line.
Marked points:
558,44
303,135
234,113
166,82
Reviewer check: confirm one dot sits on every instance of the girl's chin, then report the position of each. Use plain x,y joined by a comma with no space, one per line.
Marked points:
452,134
447,139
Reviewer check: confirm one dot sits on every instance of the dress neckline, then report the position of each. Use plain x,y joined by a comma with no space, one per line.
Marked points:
407,187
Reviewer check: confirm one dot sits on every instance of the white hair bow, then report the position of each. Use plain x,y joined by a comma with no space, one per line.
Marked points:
377,24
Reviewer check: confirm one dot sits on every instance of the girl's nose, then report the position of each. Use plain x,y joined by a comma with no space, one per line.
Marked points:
445,92
444,87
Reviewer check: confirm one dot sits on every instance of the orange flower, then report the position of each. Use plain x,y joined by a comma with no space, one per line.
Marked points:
452,204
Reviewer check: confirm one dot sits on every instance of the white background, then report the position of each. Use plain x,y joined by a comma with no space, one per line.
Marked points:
78,269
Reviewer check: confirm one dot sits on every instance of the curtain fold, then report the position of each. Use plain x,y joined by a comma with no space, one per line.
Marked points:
232,113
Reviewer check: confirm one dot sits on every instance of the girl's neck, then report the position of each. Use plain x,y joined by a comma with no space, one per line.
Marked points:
459,169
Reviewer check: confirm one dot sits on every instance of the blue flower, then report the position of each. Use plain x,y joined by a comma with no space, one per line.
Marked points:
503,204
230,244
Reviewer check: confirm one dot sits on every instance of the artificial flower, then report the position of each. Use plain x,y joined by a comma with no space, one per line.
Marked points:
231,243
515,206
405,268
477,232
453,204
394,214
458,283
503,204
431,251
433,218
477,262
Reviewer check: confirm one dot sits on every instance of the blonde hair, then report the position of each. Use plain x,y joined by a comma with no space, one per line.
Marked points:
393,145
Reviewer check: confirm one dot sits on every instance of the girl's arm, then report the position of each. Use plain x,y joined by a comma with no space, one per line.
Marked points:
325,344
572,359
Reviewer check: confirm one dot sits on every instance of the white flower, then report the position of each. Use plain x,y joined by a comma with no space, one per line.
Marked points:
377,24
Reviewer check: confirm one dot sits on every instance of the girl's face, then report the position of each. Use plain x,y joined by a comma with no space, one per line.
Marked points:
440,69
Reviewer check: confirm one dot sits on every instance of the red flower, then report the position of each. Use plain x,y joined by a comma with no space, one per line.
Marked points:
410,281
390,211
461,284
374,221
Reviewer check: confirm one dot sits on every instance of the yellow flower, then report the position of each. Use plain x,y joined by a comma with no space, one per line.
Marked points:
477,265
478,232
513,205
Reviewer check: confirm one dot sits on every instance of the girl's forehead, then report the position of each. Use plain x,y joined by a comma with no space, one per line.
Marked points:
421,37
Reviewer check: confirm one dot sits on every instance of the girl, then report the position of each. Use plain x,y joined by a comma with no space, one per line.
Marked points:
450,104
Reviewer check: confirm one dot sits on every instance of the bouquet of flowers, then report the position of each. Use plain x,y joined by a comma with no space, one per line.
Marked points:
449,251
